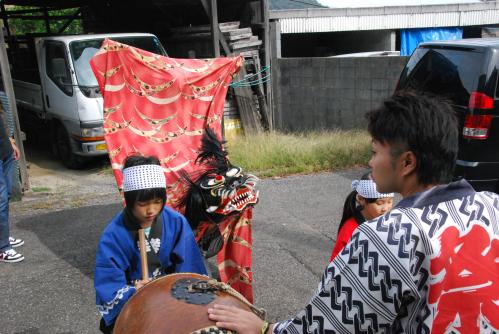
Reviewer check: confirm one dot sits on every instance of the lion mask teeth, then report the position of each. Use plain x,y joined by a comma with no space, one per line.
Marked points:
211,209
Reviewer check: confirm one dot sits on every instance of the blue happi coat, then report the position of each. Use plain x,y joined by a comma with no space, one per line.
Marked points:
117,263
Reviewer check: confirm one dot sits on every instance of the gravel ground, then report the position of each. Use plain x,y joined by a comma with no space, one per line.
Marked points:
53,187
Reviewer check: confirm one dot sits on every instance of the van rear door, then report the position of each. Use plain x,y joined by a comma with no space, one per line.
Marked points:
449,72
462,75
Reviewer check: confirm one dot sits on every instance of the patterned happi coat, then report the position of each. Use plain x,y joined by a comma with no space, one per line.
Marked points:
431,265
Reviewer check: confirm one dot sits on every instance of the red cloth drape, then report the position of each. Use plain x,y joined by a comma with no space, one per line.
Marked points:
155,105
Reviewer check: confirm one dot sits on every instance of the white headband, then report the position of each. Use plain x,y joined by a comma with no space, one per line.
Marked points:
143,177
367,189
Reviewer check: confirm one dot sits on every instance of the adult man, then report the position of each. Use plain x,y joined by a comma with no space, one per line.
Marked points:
8,153
431,264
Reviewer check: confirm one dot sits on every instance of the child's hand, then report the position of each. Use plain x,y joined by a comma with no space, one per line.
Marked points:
140,283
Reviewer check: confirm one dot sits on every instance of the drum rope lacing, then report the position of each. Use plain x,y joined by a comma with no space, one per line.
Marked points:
220,286
213,330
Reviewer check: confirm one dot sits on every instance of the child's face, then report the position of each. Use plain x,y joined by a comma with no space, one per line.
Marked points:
378,208
145,212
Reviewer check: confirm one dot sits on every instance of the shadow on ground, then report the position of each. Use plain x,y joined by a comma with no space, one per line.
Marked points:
38,151
72,235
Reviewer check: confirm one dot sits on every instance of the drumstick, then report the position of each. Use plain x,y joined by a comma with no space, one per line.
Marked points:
143,255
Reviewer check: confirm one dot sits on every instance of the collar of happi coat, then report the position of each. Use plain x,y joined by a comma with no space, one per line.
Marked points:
438,194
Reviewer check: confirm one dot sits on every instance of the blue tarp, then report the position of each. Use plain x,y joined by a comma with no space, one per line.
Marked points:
410,38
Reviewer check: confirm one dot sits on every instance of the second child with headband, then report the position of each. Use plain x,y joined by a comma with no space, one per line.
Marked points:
170,243
362,204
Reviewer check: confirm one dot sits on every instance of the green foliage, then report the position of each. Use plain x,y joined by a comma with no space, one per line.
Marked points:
277,154
21,27
293,4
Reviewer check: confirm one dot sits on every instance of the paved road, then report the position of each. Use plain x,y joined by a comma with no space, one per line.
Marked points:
295,225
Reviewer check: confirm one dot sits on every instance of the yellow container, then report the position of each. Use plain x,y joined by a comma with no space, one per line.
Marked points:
232,128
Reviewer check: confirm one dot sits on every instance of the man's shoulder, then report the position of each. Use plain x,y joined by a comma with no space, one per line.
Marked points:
430,220
399,229
489,195
394,216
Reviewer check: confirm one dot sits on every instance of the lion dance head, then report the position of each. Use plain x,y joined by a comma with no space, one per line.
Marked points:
218,191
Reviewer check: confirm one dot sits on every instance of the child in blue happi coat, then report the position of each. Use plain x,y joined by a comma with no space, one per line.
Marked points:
170,243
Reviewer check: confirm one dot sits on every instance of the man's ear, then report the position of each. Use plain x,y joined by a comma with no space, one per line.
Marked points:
408,162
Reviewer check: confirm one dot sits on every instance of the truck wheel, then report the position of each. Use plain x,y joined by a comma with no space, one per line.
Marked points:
64,149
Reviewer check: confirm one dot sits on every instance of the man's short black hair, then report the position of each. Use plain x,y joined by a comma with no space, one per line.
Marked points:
423,124
142,195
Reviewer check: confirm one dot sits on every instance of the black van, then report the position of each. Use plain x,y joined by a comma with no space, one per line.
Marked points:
466,73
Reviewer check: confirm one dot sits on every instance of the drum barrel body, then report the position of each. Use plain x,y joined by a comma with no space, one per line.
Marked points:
165,306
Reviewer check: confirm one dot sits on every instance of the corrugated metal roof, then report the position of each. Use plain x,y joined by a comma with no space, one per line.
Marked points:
385,3
403,17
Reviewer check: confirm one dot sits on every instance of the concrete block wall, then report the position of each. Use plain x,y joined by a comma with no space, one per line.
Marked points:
331,93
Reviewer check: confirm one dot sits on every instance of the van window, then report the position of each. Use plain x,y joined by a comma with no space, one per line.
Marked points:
57,66
22,57
452,73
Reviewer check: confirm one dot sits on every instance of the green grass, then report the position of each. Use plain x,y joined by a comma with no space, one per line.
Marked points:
40,189
278,154
274,154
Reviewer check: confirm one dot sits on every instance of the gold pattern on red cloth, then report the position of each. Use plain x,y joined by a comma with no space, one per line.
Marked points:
156,105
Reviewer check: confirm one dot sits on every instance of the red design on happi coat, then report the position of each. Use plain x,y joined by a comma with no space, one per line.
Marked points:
155,105
467,281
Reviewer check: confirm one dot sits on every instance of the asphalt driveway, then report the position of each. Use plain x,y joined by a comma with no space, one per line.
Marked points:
295,224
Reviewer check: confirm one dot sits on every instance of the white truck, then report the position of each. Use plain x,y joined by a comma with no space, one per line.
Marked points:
56,91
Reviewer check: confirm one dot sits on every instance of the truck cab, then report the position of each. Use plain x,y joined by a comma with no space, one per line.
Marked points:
65,98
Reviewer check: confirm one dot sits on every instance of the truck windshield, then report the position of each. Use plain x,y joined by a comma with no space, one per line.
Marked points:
83,51
452,73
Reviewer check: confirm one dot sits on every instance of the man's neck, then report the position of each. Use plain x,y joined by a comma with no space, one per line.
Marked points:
412,187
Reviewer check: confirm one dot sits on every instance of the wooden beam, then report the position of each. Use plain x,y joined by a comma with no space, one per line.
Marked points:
275,91
9,91
5,21
215,30
47,22
266,52
250,117
30,11
40,17
222,40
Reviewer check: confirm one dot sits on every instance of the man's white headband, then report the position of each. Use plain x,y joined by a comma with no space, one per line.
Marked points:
367,189
143,177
